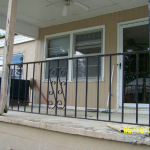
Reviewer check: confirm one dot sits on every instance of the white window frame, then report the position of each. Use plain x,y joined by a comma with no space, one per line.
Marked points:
120,27
72,35
18,53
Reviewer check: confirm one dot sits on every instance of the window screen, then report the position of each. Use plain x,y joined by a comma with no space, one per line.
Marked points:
58,47
88,43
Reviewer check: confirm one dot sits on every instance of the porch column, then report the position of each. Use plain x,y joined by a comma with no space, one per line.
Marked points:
8,51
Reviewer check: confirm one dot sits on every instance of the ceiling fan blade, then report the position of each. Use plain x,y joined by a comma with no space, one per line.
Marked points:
65,10
140,47
126,46
48,5
82,6
142,43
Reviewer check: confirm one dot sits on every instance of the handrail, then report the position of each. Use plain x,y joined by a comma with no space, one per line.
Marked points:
81,57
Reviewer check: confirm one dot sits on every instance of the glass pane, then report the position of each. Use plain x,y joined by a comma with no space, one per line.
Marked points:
88,43
58,47
136,39
17,59
92,68
53,67
18,68
88,37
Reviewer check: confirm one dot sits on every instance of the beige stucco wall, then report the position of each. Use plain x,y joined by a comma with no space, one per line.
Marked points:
110,21
28,50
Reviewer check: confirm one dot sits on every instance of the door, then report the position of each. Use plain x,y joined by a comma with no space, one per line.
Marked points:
134,37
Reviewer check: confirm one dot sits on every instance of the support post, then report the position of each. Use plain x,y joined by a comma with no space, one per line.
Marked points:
8,50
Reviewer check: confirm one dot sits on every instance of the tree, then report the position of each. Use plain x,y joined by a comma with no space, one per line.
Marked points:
1,35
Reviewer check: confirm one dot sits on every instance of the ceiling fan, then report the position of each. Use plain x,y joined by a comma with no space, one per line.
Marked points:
131,43
67,4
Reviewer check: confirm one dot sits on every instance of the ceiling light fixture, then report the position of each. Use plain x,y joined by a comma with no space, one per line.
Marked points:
67,4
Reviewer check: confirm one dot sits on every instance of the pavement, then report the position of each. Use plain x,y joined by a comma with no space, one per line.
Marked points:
75,126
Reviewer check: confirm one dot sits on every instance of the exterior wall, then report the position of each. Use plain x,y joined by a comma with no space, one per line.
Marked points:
28,50
110,21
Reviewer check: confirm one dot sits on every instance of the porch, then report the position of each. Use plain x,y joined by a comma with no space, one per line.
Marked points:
129,118
60,97
81,127
89,71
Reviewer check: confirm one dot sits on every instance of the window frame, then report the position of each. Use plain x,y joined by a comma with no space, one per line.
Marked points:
72,35
18,53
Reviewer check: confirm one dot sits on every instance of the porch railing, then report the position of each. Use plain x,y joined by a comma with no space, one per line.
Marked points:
50,81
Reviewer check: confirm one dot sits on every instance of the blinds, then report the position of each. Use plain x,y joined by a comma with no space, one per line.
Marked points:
88,43
58,47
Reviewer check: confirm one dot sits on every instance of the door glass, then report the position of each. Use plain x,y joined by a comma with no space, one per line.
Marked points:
136,39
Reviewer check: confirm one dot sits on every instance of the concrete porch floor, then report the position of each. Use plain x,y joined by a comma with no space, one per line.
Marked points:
116,117
74,126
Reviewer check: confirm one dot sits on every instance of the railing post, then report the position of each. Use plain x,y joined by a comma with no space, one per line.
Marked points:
122,119
57,87
48,86
98,89
86,92
40,89
66,87
13,90
9,85
26,88
76,88
33,87
137,73
110,90
19,89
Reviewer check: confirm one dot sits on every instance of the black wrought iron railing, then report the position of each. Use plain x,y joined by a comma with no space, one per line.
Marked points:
54,87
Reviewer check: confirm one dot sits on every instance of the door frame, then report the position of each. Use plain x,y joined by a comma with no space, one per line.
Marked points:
120,27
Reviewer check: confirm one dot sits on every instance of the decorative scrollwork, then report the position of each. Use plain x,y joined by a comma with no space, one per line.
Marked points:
59,72
63,83
50,102
59,102
60,92
53,71
51,92
53,82
63,71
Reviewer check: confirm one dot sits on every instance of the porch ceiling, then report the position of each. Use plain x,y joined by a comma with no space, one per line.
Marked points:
35,14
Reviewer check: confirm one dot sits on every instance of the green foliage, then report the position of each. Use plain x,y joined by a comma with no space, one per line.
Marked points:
1,35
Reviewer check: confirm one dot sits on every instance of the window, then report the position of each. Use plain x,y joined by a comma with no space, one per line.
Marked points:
16,59
57,48
84,42
87,45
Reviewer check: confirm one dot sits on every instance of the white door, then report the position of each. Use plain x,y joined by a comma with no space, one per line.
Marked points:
133,36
